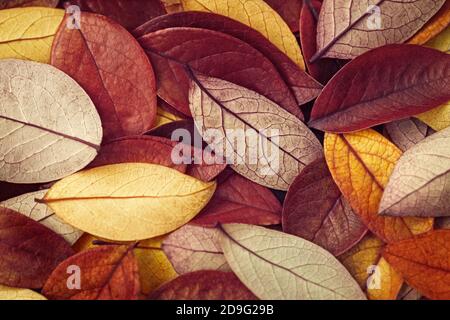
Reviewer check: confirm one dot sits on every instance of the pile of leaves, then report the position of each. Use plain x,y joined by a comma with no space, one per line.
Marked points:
94,206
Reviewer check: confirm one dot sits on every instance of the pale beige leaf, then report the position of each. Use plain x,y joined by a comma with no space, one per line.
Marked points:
26,205
259,139
276,265
9,293
420,183
49,127
406,133
193,248
129,201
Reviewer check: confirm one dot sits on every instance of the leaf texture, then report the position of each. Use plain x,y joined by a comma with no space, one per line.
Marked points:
5,4
406,133
8,293
439,22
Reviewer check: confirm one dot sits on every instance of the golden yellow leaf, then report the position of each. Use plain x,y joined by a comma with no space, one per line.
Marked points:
129,201
258,15
27,33
361,164
164,117
9,293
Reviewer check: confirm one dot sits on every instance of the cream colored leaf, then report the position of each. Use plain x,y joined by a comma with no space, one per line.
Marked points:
258,15
40,212
49,127
129,201
275,265
260,140
28,33
9,293
194,248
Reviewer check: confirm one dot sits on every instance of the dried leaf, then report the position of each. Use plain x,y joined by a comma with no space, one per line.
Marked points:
361,164
28,33
256,14
109,272
349,28
129,201
439,22
204,285
423,262
8,293
26,205
110,65
289,10
275,265
164,117
420,183
5,4
406,133
49,127
194,248
29,250
238,200
371,89
287,144
315,210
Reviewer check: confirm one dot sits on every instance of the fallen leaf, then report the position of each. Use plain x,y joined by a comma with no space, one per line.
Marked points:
289,10
347,29
204,285
26,205
238,200
257,15
194,248
406,133
164,117
8,293
436,24
49,127
29,250
273,146
423,262
315,210
371,90
128,201
109,272
5,4
361,163
113,69
275,265
129,13
419,185
300,83
28,33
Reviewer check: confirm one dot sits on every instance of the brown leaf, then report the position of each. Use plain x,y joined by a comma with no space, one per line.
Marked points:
110,65
406,133
204,285
315,210
29,251
5,4
109,272
434,26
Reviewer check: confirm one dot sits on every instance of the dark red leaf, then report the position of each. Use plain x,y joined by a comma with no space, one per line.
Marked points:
289,10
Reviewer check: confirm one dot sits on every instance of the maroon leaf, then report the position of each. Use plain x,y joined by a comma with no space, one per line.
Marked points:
29,251
289,10
110,65
204,285
129,13
373,89
314,209
238,200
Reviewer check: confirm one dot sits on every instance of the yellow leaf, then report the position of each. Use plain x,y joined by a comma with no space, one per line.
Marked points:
361,164
27,33
164,117
129,201
389,282
258,15
8,293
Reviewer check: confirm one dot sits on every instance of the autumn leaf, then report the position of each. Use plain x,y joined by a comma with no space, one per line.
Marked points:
194,248
419,185
436,24
26,205
5,4
238,200
372,90
274,165
49,127
406,133
113,69
28,33
156,200
423,262
256,14
348,28
109,272
275,265
361,164
129,13
289,10
204,285
315,210
163,117
8,293
29,250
